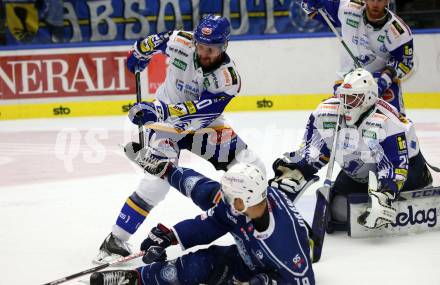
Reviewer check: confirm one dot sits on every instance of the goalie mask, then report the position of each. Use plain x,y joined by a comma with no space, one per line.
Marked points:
246,182
357,93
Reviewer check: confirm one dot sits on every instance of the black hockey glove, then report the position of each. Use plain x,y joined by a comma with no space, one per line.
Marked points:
151,160
261,279
159,238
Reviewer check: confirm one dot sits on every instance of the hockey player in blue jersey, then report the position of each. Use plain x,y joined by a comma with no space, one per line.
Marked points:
271,238
379,39
186,114
373,137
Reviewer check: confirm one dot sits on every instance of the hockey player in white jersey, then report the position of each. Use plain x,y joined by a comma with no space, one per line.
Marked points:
186,114
373,137
379,39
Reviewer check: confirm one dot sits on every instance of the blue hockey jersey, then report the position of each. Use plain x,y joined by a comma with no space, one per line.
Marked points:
282,250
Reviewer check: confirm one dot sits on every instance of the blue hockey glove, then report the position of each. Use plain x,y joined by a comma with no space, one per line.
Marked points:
314,5
384,82
136,63
143,113
144,49
159,238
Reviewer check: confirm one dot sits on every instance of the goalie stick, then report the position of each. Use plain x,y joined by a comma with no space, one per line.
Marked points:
320,216
97,268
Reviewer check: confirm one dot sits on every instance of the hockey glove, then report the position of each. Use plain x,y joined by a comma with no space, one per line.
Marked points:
159,238
288,178
380,211
143,113
144,49
151,160
384,82
261,279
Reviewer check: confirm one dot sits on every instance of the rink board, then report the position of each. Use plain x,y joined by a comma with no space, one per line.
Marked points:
417,211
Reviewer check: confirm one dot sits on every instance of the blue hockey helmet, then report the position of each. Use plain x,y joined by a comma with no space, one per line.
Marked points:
213,30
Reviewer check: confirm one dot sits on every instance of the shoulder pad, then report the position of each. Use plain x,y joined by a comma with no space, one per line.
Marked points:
224,79
186,35
181,38
398,31
355,5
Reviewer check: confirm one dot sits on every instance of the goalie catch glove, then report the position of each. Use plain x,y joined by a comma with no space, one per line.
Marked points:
289,178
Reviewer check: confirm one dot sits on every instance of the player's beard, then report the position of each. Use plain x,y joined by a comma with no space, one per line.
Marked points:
208,64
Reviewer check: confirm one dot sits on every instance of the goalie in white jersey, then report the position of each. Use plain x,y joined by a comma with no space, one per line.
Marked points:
186,114
378,38
373,137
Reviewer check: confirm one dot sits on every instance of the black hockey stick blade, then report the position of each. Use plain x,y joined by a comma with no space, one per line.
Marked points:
96,268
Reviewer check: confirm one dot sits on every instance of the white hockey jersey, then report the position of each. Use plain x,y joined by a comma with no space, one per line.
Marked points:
193,98
383,142
389,46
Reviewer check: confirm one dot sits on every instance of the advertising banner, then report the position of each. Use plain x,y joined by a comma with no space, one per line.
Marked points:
69,21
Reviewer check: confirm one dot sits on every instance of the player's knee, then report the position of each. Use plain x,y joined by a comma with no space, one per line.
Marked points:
152,190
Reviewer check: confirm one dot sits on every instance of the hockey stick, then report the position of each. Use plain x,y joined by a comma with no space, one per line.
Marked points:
320,216
139,100
97,268
332,27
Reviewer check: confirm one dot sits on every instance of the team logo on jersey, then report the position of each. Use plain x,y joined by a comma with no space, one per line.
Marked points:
369,134
398,27
259,254
407,50
353,23
381,38
169,273
189,183
401,142
329,125
298,262
206,83
179,64
206,31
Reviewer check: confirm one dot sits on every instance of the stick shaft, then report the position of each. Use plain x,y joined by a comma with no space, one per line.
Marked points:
96,268
332,27
139,100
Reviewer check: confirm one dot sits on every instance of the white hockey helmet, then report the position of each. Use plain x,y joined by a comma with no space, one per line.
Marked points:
244,181
358,93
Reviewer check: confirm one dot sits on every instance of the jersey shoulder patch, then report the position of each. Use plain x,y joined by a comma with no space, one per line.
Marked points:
185,35
182,39
224,79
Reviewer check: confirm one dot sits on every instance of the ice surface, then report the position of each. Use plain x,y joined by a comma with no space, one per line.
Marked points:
63,182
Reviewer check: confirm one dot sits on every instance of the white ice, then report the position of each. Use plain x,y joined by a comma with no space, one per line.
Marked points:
63,182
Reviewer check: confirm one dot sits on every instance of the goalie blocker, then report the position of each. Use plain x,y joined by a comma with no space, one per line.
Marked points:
417,211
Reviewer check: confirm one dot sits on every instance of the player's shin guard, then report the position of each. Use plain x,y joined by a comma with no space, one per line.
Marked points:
132,215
